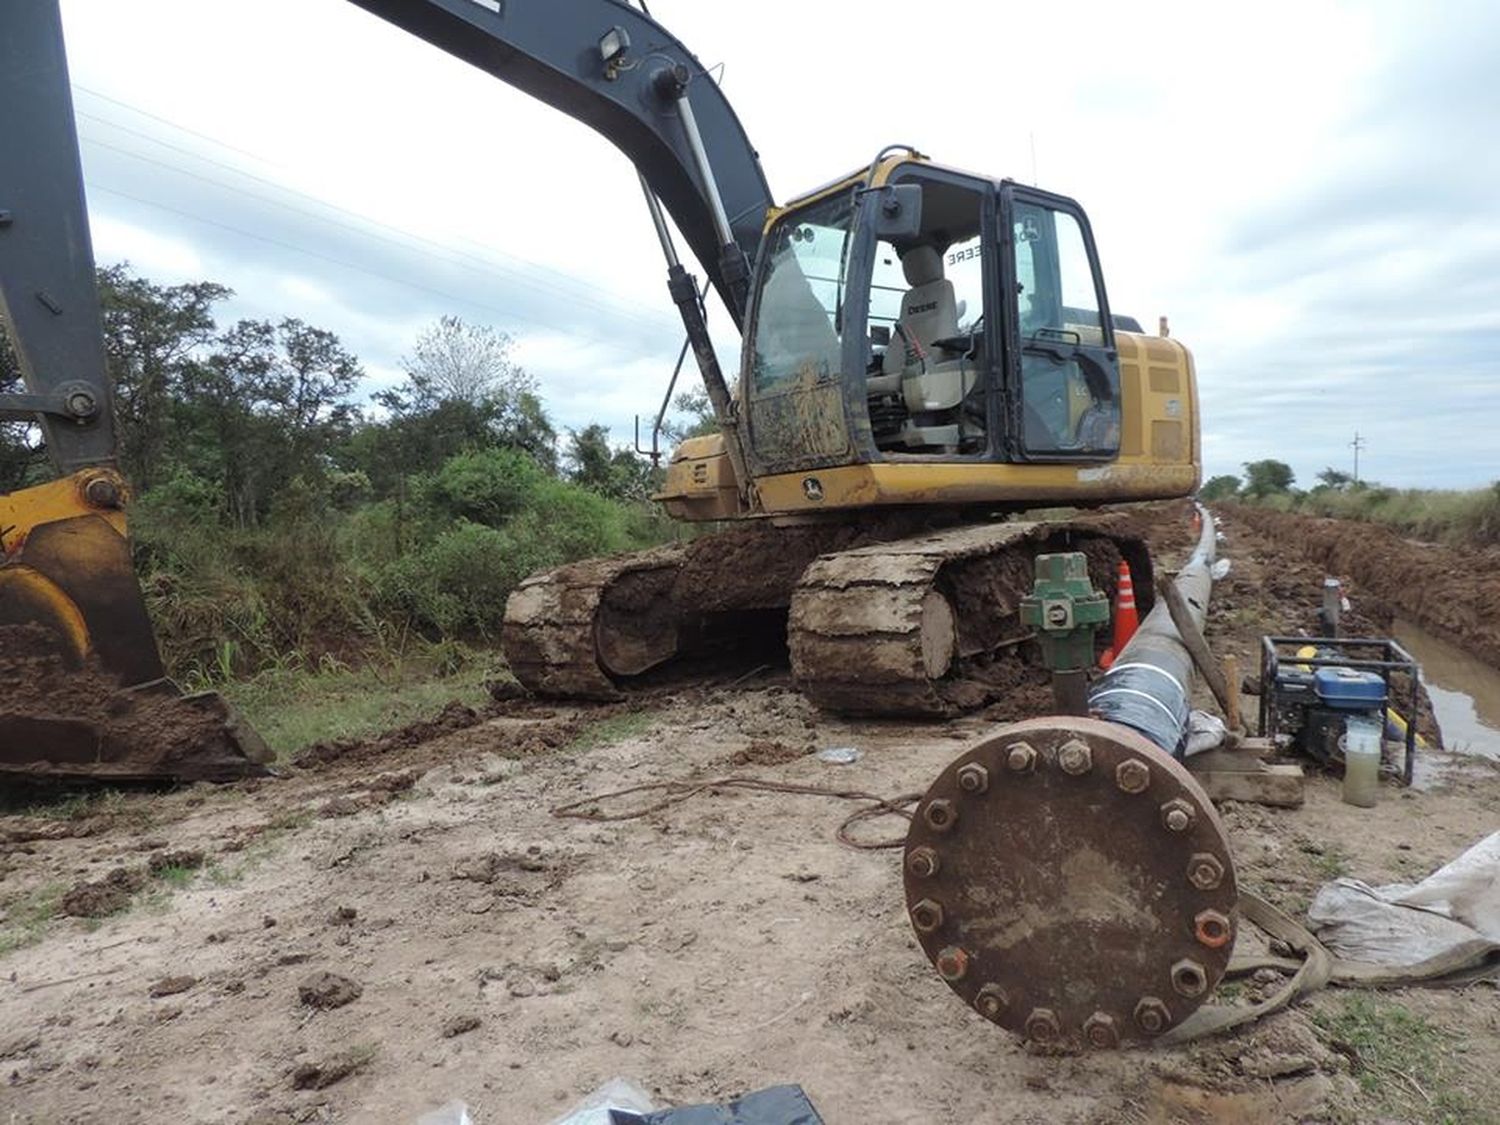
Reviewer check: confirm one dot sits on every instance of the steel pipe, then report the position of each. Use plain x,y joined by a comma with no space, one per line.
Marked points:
1148,687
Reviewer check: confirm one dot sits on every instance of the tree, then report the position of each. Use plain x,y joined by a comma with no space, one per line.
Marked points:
700,420
589,458
466,362
266,408
22,451
462,393
1220,487
151,333
1262,478
1336,480
617,473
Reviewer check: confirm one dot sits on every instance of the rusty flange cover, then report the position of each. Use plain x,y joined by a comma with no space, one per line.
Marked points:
1073,883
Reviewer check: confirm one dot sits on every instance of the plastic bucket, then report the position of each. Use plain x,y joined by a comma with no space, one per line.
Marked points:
1361,746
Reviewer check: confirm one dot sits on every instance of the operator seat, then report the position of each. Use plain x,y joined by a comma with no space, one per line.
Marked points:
928,312
932,380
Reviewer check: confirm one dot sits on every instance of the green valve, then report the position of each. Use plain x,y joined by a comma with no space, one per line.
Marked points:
1065,610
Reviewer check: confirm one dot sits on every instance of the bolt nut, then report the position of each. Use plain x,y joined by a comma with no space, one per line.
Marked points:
973,778
923,862
102,492
1178,815
1205,871
81,404
1074,757
1042,1025
927,916
1132,776
1020,757
1212,929
1099,1030
952,963
940,814
990,1001
1152,1016
1189,978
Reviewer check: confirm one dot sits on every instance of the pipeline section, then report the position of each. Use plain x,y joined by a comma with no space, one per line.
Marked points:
1148,686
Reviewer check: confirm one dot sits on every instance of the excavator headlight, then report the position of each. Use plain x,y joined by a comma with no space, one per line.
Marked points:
612,44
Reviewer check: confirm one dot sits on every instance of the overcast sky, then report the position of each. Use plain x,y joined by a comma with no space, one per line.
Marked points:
1308,190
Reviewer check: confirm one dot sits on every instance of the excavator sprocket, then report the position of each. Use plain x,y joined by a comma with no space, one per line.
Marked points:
566,630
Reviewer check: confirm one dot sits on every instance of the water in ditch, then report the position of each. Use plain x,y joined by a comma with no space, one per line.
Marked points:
1465,692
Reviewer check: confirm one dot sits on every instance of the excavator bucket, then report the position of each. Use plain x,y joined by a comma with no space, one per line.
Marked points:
82,690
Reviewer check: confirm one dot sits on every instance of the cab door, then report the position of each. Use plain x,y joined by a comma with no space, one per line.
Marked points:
793,368
1061,365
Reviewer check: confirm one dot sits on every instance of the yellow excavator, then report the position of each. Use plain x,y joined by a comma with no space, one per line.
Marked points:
925,352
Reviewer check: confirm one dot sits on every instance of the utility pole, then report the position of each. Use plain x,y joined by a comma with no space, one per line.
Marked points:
1357,444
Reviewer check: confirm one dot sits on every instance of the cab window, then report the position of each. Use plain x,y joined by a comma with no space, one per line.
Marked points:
1070,380
796,324
927,380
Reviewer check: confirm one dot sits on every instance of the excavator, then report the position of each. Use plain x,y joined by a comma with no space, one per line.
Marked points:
927,354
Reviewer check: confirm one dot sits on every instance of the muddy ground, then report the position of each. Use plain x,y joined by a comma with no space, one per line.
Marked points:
484,950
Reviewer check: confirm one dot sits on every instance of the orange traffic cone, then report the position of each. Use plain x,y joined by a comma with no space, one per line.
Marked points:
1127,620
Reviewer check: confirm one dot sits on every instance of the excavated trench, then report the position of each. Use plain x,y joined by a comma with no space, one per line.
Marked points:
1464,692
1441,603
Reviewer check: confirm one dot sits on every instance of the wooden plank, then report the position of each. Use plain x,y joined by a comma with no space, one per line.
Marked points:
1279,785
1232,686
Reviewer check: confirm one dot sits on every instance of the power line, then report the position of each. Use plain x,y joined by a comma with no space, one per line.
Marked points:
570,288
526,269
169,124
503,313
496,270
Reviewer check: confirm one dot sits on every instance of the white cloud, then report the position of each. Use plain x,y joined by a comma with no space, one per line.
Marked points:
148,251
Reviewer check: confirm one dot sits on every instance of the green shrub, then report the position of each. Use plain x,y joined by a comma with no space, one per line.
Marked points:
454,586
485,486
1460,517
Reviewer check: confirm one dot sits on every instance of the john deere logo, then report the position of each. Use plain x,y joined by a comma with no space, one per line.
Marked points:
812,488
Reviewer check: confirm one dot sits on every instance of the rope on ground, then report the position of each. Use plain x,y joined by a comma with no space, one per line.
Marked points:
676,792
1319,969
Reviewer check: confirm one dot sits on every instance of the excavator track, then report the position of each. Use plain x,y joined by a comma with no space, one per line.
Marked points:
566,630
888,618
914,627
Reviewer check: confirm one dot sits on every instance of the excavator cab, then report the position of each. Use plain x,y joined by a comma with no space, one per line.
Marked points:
976,330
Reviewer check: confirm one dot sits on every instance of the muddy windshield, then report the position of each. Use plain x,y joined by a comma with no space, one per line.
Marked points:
797,317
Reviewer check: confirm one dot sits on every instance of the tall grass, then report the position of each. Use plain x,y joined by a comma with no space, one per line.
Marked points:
318,587
1458,518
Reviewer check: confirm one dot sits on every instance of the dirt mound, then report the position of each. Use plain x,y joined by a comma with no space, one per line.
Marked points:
767,752
58,720
96,900
454,716
1453,592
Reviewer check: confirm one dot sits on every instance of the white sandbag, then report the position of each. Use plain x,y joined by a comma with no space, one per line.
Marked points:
1400,925
1467,889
